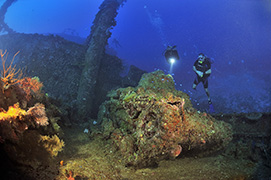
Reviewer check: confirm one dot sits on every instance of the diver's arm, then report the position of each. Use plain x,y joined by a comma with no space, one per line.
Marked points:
197,72
208,71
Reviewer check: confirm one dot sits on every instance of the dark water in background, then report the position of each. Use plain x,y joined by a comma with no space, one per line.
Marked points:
235,33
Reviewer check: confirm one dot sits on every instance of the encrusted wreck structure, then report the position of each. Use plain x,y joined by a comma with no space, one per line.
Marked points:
3,10
154,121
96,43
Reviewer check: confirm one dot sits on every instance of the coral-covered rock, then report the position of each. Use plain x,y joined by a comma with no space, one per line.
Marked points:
23,118
15,121
155,121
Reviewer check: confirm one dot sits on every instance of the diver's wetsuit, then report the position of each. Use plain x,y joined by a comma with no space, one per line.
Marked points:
202,67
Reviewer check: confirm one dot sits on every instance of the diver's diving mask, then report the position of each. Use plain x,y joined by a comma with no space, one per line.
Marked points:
201,59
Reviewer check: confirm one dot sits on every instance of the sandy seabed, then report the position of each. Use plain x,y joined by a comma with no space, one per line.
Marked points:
94,159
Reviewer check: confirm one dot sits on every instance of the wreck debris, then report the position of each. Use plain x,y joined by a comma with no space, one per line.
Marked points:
96,43
3,10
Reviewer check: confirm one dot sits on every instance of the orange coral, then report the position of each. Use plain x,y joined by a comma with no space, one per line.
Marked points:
12,123
69,175
31,86
9,75
37,112
13,112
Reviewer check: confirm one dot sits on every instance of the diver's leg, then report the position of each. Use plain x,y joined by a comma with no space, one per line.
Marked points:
205,85
211,107
196,82
208,95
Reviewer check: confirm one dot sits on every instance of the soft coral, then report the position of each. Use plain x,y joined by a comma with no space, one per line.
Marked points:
9,75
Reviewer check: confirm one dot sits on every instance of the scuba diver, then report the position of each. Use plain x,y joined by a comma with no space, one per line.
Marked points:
171,54
202,68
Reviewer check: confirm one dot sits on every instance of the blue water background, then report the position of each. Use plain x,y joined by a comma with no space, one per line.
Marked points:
236,34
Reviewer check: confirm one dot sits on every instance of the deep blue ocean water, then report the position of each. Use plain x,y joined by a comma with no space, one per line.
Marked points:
235,34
